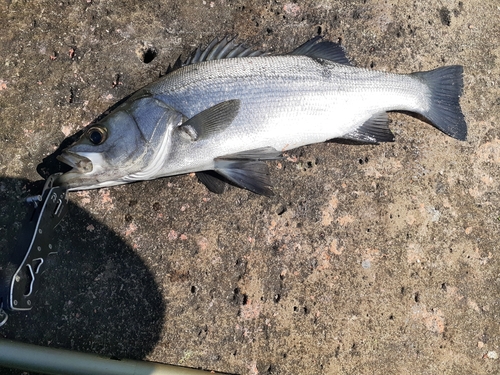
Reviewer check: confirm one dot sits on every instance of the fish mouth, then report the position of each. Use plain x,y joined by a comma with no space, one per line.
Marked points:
81,166
79,163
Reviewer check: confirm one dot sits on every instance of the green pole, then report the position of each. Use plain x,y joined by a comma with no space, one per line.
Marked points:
65,362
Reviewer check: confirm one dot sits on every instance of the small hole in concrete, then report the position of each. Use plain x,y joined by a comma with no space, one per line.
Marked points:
149,55
281,210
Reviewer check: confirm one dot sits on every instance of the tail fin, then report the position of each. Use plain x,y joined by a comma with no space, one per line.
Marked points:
446,86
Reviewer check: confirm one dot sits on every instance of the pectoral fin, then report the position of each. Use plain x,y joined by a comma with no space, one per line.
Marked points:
211,120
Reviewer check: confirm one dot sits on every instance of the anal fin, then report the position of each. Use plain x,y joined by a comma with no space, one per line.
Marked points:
374,130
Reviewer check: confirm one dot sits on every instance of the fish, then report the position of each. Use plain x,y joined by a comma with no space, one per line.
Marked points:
228,109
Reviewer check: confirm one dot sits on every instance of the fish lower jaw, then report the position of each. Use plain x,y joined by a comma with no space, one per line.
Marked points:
79,163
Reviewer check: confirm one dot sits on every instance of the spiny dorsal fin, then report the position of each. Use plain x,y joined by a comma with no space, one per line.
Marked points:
211,120
323,50
226,48
374,130
177,65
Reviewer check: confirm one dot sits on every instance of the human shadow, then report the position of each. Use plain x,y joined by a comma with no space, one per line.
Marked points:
96,294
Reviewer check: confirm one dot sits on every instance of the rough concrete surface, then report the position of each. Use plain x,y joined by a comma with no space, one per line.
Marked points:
368,260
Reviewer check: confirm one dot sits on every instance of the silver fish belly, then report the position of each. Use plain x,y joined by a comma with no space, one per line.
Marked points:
286,102
223,118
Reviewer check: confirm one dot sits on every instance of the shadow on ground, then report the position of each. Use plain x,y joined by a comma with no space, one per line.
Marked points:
96,295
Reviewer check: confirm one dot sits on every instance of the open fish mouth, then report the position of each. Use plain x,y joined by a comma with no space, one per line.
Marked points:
82,168
79,163
85,172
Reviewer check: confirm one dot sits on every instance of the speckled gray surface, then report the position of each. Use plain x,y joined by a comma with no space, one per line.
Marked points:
368,260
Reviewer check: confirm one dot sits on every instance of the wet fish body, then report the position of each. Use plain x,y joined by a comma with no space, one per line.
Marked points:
223,118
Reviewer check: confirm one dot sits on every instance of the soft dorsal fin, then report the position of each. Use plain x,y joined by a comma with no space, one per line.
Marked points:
374,130
226,48
323,50
211,120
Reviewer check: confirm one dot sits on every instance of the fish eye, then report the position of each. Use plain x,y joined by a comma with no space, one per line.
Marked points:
97,135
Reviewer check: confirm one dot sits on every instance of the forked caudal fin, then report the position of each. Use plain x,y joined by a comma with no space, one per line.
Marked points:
445,85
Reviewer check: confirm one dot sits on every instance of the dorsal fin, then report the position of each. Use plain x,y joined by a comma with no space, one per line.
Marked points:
223,49
227,48
177,65
323,50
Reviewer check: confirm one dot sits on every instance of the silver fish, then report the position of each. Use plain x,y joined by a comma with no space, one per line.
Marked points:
227,109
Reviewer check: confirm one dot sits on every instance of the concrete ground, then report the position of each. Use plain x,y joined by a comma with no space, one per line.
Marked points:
368,260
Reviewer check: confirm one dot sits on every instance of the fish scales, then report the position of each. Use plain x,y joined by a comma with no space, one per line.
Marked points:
223,118
286,102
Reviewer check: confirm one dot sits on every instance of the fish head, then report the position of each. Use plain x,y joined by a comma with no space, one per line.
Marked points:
122,144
